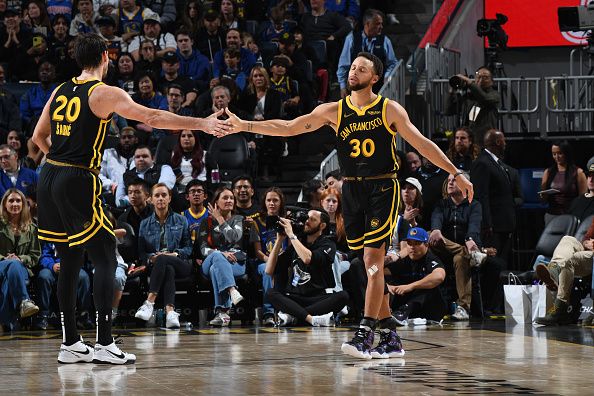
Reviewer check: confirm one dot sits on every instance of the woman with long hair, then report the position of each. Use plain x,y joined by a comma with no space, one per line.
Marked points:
230,17
563,176
19,143
125,72
263,233
20,250
220,245
187,158
164,243
190,19
35,16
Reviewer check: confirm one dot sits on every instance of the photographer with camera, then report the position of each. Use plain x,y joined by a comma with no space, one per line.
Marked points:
474,101
300,295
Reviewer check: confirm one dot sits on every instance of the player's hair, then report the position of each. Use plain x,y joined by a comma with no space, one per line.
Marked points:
88,50
378,66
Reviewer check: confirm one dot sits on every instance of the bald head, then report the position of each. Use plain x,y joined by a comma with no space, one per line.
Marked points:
495,142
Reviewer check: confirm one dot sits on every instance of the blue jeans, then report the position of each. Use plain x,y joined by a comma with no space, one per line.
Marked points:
13,285
222,273
46,281
267,307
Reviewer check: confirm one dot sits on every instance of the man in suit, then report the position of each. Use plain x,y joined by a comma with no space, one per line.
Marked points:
495,192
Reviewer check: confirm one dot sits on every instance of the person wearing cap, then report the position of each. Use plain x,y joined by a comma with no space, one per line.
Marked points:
84,20
370,39
107,29
166,10
583,206
412,199
15,40
283,84
298,69
192,63
455,237
210,38
247,59
416,276
170,64
151,30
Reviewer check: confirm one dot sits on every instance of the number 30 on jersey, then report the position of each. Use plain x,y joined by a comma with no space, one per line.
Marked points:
365,147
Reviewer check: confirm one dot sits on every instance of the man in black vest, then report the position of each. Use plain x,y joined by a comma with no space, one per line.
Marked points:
372,40
146,169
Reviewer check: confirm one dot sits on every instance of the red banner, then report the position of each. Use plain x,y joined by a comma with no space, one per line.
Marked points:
534,23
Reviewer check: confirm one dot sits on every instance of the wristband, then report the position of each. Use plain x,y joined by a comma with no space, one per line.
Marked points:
458,174
293,237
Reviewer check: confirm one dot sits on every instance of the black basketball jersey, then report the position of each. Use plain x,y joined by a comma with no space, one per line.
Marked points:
366,145
77,134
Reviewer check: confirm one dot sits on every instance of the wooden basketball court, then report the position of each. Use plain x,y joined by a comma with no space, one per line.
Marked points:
480,358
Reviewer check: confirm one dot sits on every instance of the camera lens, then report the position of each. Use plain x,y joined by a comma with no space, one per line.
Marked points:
456,82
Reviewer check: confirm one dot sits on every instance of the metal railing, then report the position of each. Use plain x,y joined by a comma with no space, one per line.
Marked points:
567,105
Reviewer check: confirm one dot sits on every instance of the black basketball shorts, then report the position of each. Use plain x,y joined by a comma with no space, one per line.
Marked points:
370,210
69,205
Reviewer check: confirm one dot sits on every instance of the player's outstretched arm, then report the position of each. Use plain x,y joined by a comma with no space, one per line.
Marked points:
398,117
325,114
107,100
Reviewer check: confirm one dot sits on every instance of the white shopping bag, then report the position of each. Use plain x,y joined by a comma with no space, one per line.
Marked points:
518,306
525,303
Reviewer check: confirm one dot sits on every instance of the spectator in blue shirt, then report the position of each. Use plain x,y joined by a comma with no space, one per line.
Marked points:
12,175
247,58
348,8
47,279
192,63
146,92
33,101
370,39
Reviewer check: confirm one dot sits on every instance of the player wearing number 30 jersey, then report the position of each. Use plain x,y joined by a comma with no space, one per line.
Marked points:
366,125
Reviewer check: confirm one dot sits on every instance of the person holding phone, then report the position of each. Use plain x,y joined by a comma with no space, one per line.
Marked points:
220,245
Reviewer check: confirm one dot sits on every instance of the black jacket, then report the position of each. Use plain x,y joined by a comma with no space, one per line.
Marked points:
272,104
487,100
457,223
494,190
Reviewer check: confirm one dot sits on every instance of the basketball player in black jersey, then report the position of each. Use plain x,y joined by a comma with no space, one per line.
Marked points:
366,126
71,132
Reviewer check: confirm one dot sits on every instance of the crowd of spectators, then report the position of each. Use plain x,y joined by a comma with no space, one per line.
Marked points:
263,61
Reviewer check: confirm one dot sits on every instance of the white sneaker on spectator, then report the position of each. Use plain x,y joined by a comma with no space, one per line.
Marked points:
322,320
111,354
172,320
477,258
461,313
236,297
285,319
79,352
145,311
221,319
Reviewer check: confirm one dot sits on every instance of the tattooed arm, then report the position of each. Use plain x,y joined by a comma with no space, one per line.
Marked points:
325,114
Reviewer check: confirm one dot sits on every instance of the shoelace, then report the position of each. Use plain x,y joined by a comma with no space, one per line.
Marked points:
360,335
118,340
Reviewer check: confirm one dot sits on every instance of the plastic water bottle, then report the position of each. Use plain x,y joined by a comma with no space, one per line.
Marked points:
215,177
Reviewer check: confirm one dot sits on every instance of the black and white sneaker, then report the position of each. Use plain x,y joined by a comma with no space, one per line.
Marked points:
111,354
79,352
